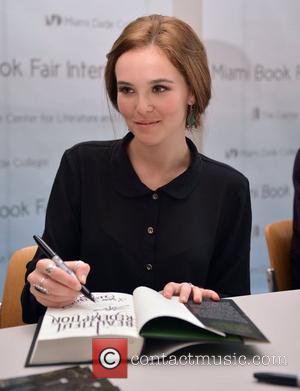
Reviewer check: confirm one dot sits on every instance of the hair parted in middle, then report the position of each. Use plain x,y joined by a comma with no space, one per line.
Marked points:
178,41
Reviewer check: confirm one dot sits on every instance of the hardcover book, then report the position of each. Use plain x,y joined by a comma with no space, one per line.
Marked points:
65,335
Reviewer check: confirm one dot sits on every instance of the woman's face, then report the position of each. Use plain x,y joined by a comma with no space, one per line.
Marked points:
152,96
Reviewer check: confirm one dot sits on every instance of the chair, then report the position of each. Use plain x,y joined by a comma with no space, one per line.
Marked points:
10,310
279,237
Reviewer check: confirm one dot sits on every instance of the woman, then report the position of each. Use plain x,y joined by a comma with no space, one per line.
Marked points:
147,209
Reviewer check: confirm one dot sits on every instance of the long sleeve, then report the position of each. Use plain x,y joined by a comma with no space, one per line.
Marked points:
295,247
229,272
62,229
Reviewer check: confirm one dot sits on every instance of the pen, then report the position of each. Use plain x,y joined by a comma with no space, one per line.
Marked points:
60,263
278,378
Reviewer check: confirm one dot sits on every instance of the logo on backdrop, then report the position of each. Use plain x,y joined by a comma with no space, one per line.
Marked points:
53,20
23,209
271,114
56,20
266,152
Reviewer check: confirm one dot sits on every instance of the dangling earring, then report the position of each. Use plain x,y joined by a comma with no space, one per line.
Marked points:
191,118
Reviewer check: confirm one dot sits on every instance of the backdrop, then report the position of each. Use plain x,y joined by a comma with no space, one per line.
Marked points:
253,122
52,55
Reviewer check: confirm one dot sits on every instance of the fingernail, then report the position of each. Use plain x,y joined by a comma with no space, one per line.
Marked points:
83,279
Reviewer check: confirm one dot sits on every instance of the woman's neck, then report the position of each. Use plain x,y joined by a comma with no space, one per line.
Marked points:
159,164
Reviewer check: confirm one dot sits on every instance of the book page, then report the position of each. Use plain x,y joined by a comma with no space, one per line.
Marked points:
111,314
150,304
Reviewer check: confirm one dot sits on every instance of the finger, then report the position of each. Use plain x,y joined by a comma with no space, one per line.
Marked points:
197,294
185,292
49,300
53,288
200,293
210,294
80,268
171,289
52,298
57,274
35,277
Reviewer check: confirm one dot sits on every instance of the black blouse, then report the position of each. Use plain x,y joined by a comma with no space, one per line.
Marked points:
195,228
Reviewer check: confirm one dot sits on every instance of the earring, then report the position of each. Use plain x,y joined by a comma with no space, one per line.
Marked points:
191,118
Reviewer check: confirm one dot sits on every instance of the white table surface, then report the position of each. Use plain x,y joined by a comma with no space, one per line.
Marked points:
277,315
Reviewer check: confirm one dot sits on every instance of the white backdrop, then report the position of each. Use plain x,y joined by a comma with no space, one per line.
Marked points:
52,55
253,122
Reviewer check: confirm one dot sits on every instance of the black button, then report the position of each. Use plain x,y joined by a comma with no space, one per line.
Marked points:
150,230
149,266
155,196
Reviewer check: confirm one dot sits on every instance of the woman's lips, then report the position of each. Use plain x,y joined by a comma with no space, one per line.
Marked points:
146,123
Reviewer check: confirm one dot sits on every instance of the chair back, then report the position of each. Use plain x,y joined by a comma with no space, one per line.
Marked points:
11,310
279,237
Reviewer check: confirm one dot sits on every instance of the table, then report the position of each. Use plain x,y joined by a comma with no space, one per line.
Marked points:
277,315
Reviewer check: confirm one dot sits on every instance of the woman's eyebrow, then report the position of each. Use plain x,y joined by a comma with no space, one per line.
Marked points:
156,81
126,83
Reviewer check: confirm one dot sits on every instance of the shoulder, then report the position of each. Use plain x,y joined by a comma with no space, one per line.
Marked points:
90,152
297,160
92,147
222,173
88,156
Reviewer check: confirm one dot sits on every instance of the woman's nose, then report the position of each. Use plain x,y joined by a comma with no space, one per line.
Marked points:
144,104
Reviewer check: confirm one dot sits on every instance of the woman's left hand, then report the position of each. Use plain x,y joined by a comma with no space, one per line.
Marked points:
185,290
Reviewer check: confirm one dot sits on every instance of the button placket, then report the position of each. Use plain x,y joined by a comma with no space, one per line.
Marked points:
150,234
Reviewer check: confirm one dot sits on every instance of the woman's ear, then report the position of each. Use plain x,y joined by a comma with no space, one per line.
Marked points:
191,100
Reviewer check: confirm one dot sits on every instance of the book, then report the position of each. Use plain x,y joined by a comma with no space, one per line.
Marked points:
64,335
74,378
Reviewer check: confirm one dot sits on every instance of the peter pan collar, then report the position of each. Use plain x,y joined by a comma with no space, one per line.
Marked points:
127,183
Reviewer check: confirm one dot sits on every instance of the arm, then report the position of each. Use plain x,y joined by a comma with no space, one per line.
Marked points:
62,232
229,272
295,247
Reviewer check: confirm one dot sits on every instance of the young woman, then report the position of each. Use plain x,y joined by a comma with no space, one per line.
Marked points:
147,209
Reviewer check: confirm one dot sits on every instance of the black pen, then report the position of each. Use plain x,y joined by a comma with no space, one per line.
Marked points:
278,378
60,263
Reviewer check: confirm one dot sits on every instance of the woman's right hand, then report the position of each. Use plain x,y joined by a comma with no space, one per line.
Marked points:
52,286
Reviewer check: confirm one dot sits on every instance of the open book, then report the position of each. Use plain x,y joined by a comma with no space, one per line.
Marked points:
65,335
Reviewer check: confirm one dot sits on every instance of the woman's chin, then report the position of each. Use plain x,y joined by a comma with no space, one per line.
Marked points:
149,138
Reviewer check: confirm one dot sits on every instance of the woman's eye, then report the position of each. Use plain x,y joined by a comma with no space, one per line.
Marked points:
158,89
125,90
